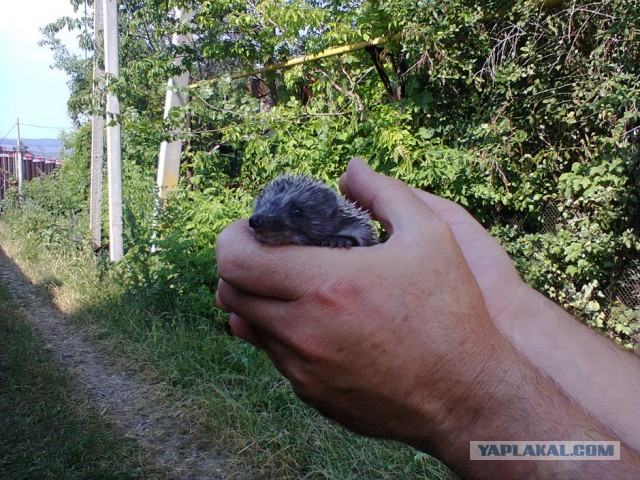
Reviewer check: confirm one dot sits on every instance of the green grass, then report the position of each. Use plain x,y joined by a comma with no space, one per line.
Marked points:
227,389
47,428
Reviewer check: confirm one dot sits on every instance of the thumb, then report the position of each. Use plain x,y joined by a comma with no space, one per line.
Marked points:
392,202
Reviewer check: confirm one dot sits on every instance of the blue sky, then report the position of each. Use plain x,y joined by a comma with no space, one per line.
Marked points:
29,88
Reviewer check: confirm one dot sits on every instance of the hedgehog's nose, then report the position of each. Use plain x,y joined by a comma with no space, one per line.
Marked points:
255,221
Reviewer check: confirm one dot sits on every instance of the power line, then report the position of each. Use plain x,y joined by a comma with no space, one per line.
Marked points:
8,133
42,126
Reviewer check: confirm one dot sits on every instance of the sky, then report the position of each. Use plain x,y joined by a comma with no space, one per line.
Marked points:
29,88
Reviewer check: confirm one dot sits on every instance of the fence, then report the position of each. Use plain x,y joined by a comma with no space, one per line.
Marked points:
32,167
623,287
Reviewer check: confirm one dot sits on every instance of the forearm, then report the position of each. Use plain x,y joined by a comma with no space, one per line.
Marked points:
426,338
598,375
511,400
593,371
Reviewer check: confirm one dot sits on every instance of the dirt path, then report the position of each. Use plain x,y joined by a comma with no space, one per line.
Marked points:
139,409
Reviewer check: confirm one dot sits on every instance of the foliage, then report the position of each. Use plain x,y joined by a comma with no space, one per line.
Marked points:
521,112
517,112
524,112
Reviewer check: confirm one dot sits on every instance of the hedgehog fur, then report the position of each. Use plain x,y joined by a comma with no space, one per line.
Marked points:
301,210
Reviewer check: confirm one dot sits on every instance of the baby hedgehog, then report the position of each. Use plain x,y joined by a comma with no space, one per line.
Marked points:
300,210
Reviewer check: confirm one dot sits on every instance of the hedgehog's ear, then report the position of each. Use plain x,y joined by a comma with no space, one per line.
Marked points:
332,203
329,199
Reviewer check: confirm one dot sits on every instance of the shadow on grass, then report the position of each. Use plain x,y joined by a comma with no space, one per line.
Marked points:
230,392
48,428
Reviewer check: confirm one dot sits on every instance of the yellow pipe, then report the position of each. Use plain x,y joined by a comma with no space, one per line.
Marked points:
330,52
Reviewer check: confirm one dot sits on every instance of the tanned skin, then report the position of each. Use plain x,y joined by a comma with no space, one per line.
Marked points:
431,338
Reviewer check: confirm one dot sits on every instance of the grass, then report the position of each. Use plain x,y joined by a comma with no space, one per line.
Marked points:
229,390
47,428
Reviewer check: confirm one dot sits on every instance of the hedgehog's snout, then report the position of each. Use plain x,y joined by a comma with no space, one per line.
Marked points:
255,221
262,222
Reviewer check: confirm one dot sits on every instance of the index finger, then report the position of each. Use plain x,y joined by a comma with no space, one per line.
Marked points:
285,272
392,202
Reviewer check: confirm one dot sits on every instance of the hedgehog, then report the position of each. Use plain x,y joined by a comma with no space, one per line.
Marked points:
300,210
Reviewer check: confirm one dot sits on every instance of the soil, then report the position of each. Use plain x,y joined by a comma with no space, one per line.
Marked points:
137,407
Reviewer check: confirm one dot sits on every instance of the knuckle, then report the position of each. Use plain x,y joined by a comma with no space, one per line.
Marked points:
304,383
227,266
224,295
336,294
230,250
223,258
441,228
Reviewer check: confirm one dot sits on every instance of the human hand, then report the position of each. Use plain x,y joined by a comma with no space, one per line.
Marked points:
494,271
399,340
377,338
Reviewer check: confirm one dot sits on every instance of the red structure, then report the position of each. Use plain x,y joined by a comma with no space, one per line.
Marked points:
38,164
31,168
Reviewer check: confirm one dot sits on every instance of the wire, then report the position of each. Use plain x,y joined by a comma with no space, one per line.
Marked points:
41,126
8,133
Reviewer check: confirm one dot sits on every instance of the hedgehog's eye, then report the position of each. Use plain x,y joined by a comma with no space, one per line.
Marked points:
296,211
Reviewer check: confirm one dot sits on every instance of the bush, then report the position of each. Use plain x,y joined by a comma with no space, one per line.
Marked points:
525,114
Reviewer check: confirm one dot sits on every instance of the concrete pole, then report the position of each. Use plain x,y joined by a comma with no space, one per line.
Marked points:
170,152
114,148
19,169
97,131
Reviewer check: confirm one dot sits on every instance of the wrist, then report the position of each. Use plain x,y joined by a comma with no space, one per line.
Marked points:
503,397
579,360
458,405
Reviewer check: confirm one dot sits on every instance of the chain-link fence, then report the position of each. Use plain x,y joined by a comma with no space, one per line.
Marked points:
619,296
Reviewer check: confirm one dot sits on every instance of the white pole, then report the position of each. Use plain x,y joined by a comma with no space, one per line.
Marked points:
114,148
19,172
170,152
97,132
